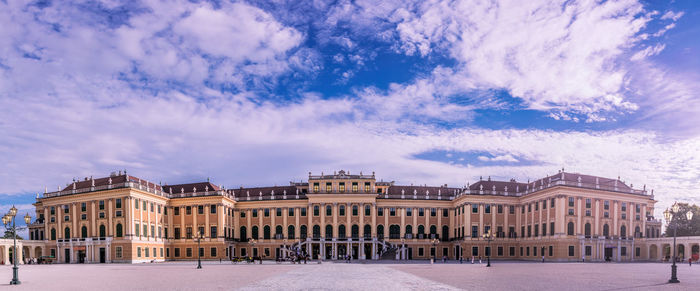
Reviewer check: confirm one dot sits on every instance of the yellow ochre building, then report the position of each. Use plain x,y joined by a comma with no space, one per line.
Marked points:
563,217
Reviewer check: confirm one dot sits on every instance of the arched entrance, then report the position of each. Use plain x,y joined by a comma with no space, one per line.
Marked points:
666,252
38,252
681,252
653,252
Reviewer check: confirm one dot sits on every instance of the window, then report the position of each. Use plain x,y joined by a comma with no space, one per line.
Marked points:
529,208
534,251
188,232
529,231
53,210
83,207
511,251
421,252
138,252
212,232
213,252
176,210
571,211
144,205
589,251
606,205
278,212
367,210
328,187
606,230
177,252
588,202
571,201
159,209
137,229
367,185
475,251
500,209
315,189
537,206
146,252
475,231
145,231
606,214
433,212
551,203
409,211
83,216
354,186
341,187
623,251
66,210
118,252
355,210
487,208
475,208
119,230
537,230
341,210
101,204
188,210
119,202
445,212
212,209
200,209
637,252
255,213
290,211
588,212
380,211
587,230
544,204
392,211
118,213
624,206
329,210
551,250
303,211
421,212
571,251
511,209
570,228
188,252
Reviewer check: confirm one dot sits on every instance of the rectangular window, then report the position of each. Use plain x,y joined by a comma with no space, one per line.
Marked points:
242,213
475,231
177,233
544,229
153,231
500,209
571,251
101,204
380,211
329,210
53,210
200,209
624,215
83,207
544,204
159,209
551,203
118,252
623,251
551,228
537,230
624,206
188,210
511,209
201,252
145,231
341,187
392,211
136,203
165,210
588,202
146,252
527,252
354,186
212,232
341,210
551,251
119,202
278,212
255,213
433,212
475,251
571,201
355,210
445,212
368,210
212,209
188,231
136,229
409,211
571,211
290,211
144,206
637,252
529,208
529,230
176,210
606,214
521,251
138,252
329,187
316,210
83,216
487,208
421,212
367,186
177,252
511,251
421,252
161,252
537,206
606,205
66,210
588,212
188,252
303,211
119,213
475,208
589,251
500,251
534,251
152,207
315,189
213,252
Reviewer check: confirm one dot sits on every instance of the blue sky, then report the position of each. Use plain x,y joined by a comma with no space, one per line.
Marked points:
425,92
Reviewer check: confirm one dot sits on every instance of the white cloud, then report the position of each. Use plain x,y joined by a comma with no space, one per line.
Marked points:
673,15
648,52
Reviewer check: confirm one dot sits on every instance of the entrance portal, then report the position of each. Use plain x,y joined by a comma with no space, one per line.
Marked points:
410,253
315,249
608,254
368,251
355,252
81,257
103,256
66,255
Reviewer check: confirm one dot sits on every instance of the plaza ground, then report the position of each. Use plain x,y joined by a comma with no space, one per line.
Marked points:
355,276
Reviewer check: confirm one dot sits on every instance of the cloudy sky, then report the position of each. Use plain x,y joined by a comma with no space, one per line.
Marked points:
425,92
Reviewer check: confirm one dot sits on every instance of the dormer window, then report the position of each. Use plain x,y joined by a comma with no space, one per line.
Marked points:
341,187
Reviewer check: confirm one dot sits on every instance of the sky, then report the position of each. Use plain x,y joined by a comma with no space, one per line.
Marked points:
424,92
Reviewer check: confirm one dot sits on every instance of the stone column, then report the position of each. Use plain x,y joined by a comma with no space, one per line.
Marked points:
47,232
596,232
402,212
644,220
207,212
322,213
481,222
578,216
93,220
195,226
110,225
615,231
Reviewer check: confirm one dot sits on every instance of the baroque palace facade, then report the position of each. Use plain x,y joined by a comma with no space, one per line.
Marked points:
563,217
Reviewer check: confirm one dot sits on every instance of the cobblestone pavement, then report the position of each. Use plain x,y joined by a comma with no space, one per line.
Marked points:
341,276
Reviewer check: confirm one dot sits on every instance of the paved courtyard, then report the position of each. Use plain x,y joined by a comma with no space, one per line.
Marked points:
341,276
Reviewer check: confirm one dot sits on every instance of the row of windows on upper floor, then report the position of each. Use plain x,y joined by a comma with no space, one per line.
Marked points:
341,187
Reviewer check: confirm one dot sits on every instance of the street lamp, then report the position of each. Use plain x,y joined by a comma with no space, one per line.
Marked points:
200,236
488,237
435,242
670,214
13,228
252,246
403,247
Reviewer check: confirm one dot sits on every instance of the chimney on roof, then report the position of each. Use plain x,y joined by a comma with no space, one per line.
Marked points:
120,172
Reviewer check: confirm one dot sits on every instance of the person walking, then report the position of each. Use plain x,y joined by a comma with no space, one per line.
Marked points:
461,258
543,258
472,260
690,262
479,259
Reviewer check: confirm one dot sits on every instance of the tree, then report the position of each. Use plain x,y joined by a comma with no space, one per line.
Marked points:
685,227
8,234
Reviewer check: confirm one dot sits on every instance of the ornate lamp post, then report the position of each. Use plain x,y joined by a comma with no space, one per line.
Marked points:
252,246
8,220
435,242
200,236
488,237
285,248
670,214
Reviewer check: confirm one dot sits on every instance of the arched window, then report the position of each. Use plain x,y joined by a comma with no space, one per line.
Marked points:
623,231
242,233
341,231
421,229
606,230
119,230
380,231
409,230
445,233
302,232
266,232
254,232
329,231
433,229
329,210
368,231
290,232
355,231
53,234
570,228
587,229
394,231
316,231
83,231
637,232
278,232
66,233
103,230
